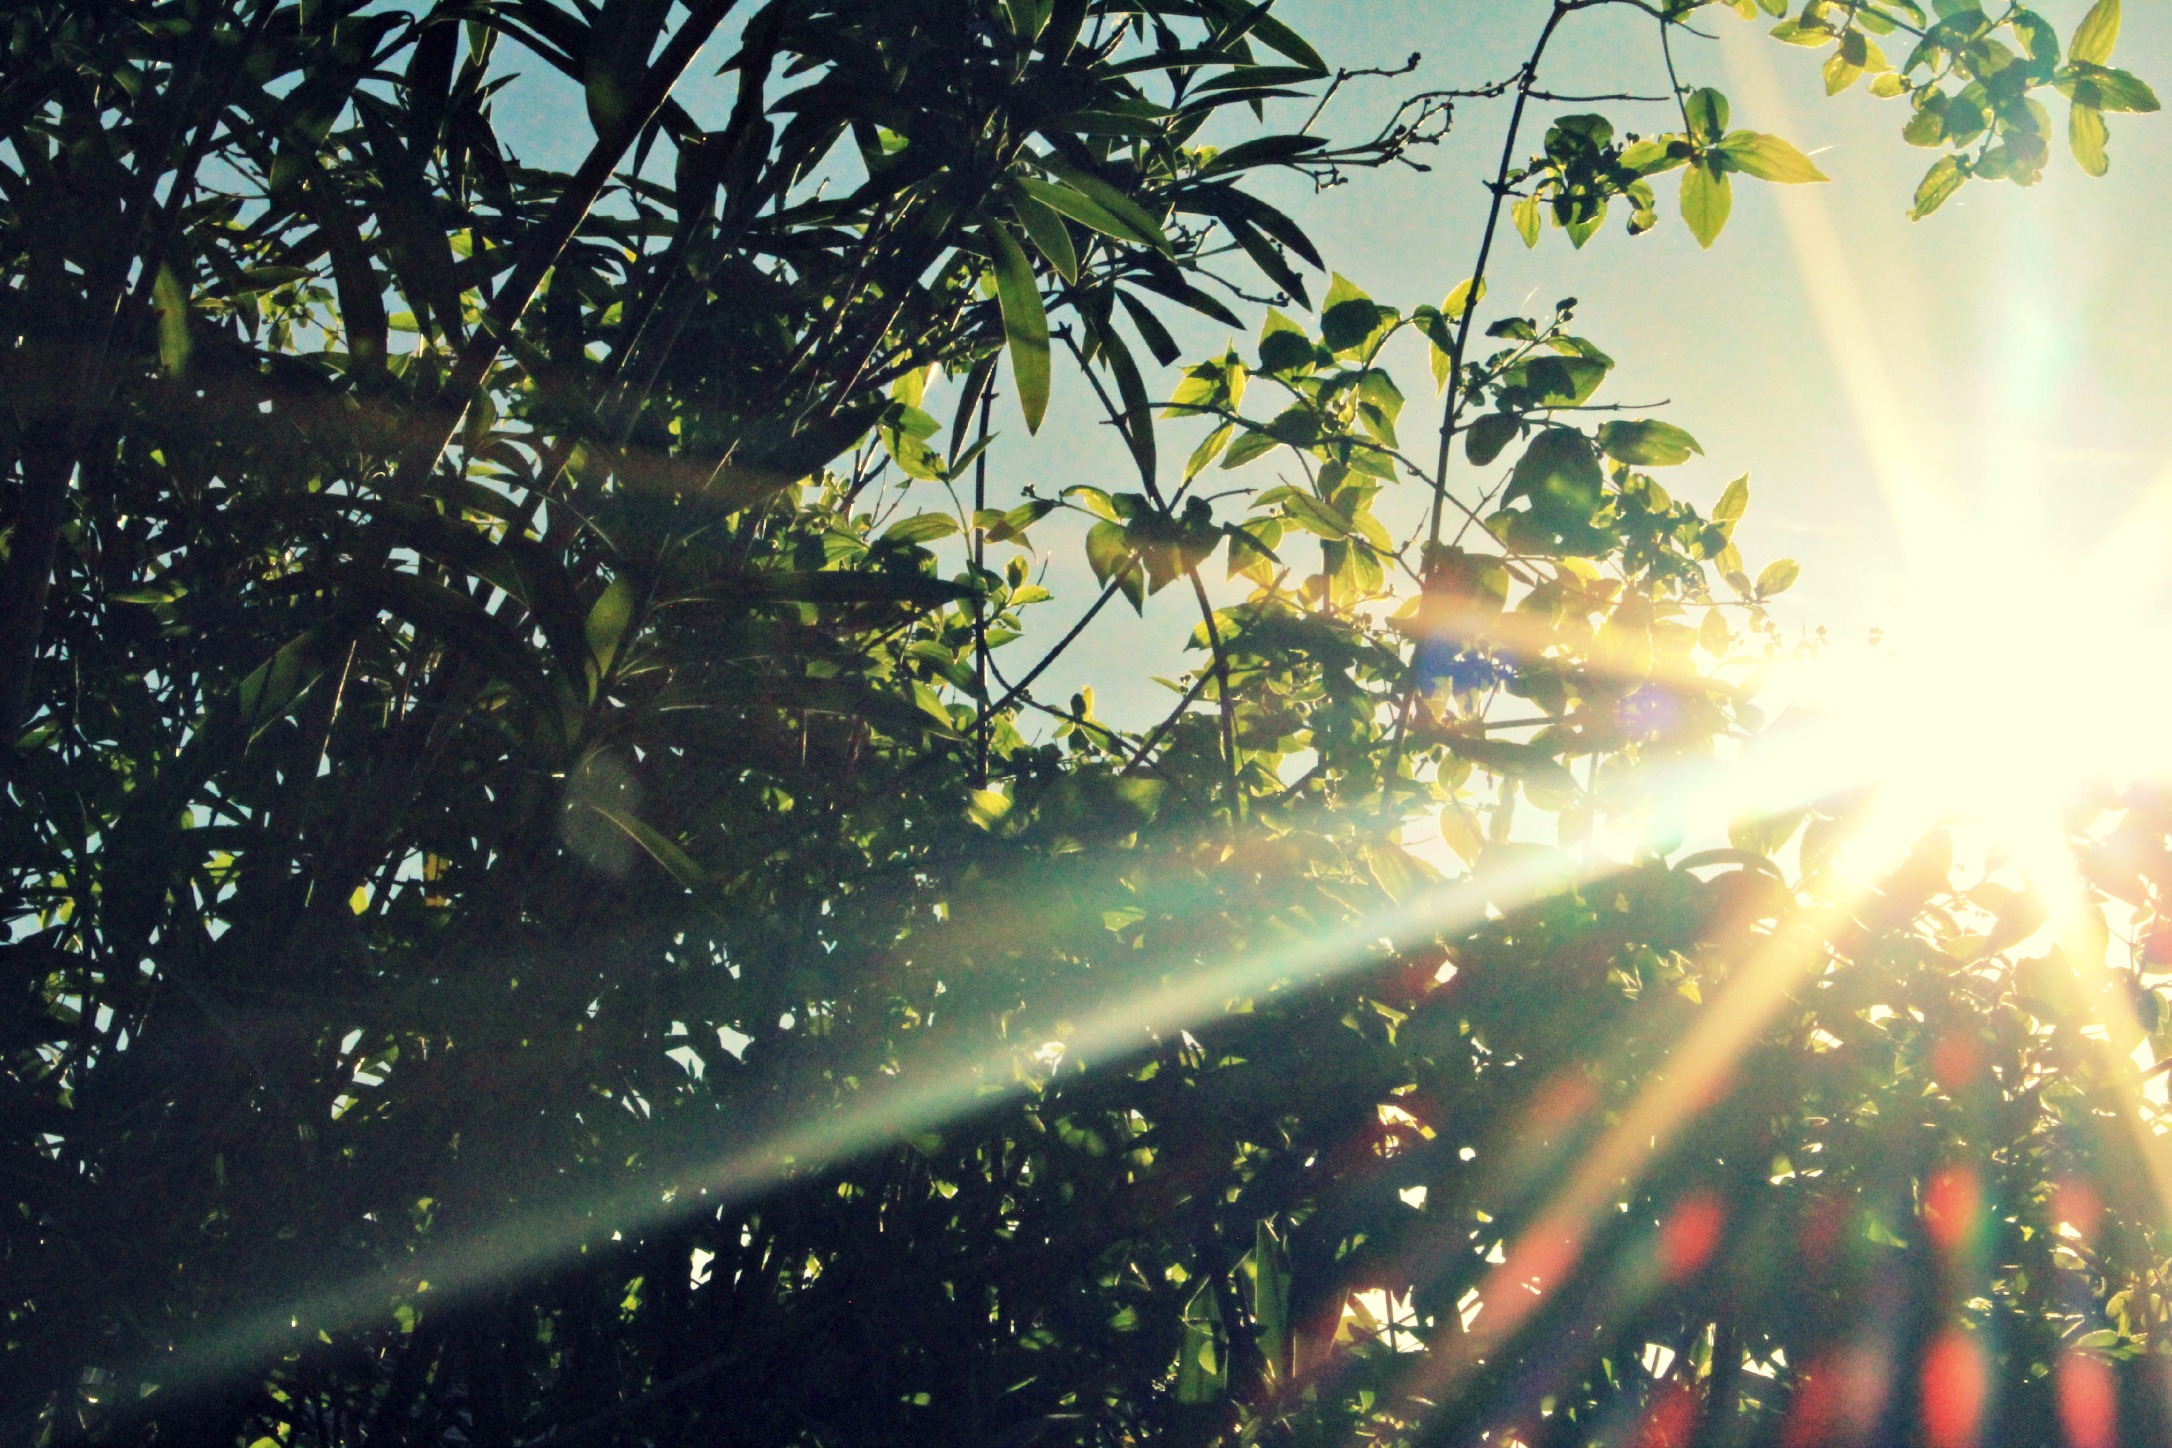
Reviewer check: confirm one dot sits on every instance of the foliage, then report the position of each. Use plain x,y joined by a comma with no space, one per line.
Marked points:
541,910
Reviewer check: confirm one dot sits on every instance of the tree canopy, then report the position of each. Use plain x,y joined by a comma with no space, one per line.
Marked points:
546,905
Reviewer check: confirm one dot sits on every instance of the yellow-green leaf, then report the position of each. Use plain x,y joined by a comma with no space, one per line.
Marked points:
2097,35
172,300
1769,158
1707,198
2086,133
1939,184
1527,219
1050,237
1025,323
1779,576
1733,502
1466,295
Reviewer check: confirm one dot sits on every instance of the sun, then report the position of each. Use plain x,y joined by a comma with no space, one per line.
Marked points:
2010,685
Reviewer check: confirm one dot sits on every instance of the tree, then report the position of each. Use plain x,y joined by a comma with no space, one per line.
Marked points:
544,904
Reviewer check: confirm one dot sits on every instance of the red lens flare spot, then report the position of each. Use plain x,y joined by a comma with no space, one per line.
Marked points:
1689,1236
2088,1402
1671,1420
1956,1386
1824,1226
1952,1206
2079,1207
1956,1061
1839,1400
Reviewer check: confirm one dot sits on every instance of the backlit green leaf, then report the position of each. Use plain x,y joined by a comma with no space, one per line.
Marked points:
1025,323
1707,198
2097,35
1768,158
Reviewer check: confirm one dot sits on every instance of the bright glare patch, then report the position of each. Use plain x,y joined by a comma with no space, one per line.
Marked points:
2004,687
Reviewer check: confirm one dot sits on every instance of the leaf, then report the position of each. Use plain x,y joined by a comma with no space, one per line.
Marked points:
1050,237
921,528
607,621
1025,323
1270,1283
1348,317
2086,133
1093,500
1943,179
1485,439
1251,550
1262,151
1560,474
1707,198
1106,204
270,691
172,300
1647,443
1526,217
1779,576
1707,110
2107,89
1210,447
2097,35
663,851
1108,549
1733,503
1468,293
1460,833
1151,331
1283,345
1769,158
1840,72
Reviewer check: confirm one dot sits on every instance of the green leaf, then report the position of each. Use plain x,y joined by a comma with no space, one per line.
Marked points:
1560,474
1130,219
271,690
1025,323
1939,183
2107,89
1283,345
1348,317
1707,198
1269,1277
663,851
1108,549
2097,35
1050,236
1251,549
2086,133
607,621
1733,503
1526,216
1707,110
1468,293
172,300
1779,576
920,528
1210,447
1248,447
1486,439
1840,72
1093,500
1647,443
1768,158
1203,1358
